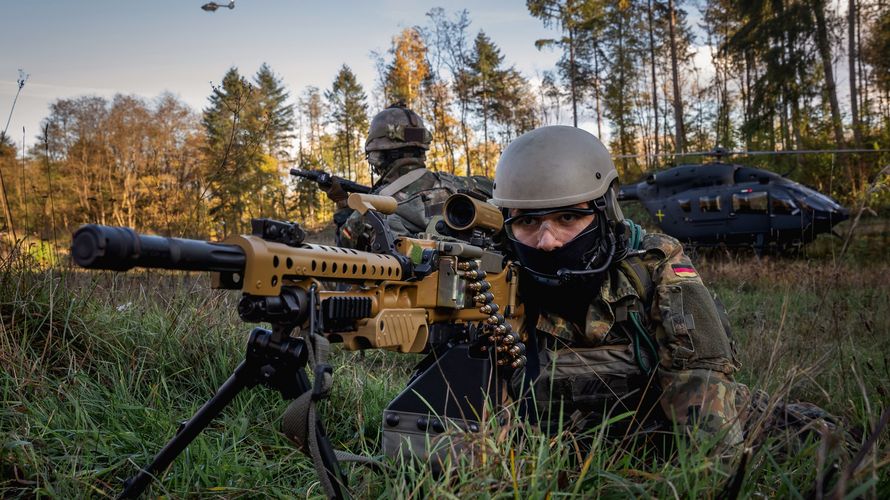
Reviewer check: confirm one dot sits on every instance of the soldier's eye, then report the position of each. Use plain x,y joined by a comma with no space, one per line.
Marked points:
526,221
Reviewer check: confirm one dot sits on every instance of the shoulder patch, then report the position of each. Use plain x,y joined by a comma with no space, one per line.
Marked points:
684,270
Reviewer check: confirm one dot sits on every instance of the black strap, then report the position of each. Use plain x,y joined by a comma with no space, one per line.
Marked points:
532,368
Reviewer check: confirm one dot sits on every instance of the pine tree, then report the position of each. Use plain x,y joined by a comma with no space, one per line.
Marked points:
623,42
502,97
775,41
274,110
276,121
233,151
310,202
488,81
875,51
728,67
349,116
574,65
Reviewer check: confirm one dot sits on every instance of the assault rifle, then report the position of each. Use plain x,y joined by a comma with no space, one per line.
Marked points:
324,180
448,294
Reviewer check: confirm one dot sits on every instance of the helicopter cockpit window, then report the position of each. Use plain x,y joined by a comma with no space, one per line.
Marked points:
685,204
750,203
709,203
784,206
808,198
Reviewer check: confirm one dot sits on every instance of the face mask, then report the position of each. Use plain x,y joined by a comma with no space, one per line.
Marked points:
574,255
375,158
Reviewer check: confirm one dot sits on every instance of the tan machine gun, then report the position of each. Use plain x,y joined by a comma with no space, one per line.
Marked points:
448,293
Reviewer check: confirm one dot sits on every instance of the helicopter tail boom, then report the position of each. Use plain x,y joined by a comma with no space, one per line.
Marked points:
628,193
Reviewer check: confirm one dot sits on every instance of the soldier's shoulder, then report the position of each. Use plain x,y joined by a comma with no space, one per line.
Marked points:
666,259
448,177
661,244
477,183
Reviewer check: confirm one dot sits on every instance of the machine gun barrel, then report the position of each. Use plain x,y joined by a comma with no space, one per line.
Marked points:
120,248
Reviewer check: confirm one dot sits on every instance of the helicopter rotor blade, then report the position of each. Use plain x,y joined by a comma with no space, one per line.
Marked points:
808,152
754,153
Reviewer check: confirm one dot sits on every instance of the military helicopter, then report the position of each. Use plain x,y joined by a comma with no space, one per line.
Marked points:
721,203
212,6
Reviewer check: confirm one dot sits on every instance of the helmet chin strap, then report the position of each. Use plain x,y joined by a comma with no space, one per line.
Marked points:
566,275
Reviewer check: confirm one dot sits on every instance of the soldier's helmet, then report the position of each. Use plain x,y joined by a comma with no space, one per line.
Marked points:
397,127
559,166
556,166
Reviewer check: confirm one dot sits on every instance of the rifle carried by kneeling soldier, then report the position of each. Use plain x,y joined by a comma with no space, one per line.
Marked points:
326,180
449,294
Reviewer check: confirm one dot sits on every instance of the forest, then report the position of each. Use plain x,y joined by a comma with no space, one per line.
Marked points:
100,368
656,79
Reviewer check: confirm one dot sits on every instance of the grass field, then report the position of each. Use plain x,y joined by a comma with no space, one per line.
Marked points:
99,368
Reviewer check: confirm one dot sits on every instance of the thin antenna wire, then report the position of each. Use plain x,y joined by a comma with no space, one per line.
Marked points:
23,77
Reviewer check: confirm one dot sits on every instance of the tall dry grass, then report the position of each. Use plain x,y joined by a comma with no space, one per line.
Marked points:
99,368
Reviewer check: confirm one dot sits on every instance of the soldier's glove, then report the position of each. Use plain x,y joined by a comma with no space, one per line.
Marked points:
336,193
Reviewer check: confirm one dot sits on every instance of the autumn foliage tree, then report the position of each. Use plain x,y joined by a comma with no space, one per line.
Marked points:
408,68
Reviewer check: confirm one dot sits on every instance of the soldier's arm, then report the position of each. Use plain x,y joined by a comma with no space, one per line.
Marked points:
696,359
398,226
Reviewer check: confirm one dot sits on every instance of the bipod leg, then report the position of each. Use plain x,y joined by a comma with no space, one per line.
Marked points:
187,432
274,360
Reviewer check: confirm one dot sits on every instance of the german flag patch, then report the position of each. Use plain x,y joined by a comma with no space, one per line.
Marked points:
684,270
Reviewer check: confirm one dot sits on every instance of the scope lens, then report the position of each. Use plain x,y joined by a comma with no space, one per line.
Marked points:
460,213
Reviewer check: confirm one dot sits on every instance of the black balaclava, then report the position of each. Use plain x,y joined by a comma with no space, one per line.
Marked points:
567,279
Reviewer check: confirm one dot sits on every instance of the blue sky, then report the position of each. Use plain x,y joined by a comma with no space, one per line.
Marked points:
145,47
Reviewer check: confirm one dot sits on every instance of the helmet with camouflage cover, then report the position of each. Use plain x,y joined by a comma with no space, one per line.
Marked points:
555,167
397,127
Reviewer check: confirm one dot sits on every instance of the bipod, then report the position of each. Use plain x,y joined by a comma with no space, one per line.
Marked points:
273,359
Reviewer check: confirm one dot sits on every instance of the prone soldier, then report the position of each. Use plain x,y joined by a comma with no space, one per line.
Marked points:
616,321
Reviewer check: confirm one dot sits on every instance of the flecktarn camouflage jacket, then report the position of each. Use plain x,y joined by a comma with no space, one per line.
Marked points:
681,374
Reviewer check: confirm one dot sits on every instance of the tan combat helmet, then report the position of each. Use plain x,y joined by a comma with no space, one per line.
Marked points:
560,166
554,166
397,127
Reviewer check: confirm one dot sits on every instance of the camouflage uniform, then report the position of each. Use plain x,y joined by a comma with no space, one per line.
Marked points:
640,336
599,370
396,146
418,202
